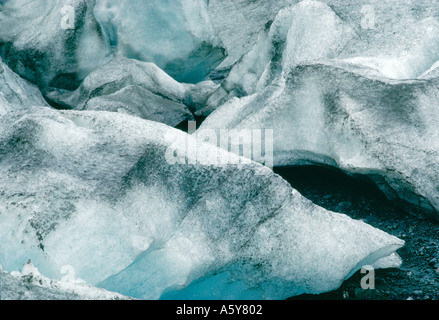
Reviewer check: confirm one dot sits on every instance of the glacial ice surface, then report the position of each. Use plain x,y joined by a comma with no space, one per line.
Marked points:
335,115
111,196
306,32
137,88
63,37
16,92
30,284
401,43
362,99
383,27
249,17
177,35
141,209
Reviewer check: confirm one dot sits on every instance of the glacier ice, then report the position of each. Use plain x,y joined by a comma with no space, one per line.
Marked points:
137,88
432,72
69,39
339,115
174,34
308,31
408,61
16,92
272,264
30,284
401,44
249,17
107,189
359,99
94,190
63,37
381,30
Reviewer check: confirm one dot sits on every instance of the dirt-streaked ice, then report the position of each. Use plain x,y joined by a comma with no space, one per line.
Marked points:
94,190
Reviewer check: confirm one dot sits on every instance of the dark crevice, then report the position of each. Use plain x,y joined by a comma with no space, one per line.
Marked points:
184,126
359,198
337,191
56,105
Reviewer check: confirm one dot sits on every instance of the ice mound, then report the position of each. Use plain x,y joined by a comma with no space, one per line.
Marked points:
174,34
30,284
367,36
341,116
331,84
51,43
120,200
308,31
137,88
419,53
381,29
400,43
249,17
216,254
17,93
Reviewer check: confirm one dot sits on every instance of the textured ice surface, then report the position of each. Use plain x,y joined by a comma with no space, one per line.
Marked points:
30,284
405,55
308,31
110,196
175,34
249,17
339,115
251,256
130,205
401,43
17,93
137,88
384,27
51,43
347,91
433,72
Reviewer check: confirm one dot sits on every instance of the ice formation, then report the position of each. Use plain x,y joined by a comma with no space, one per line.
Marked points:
383,31
98,191
107,188
401,44
15,92
329,107
174,34
69,39
63,37
249,17
332,115
308,31
30,284
137,88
